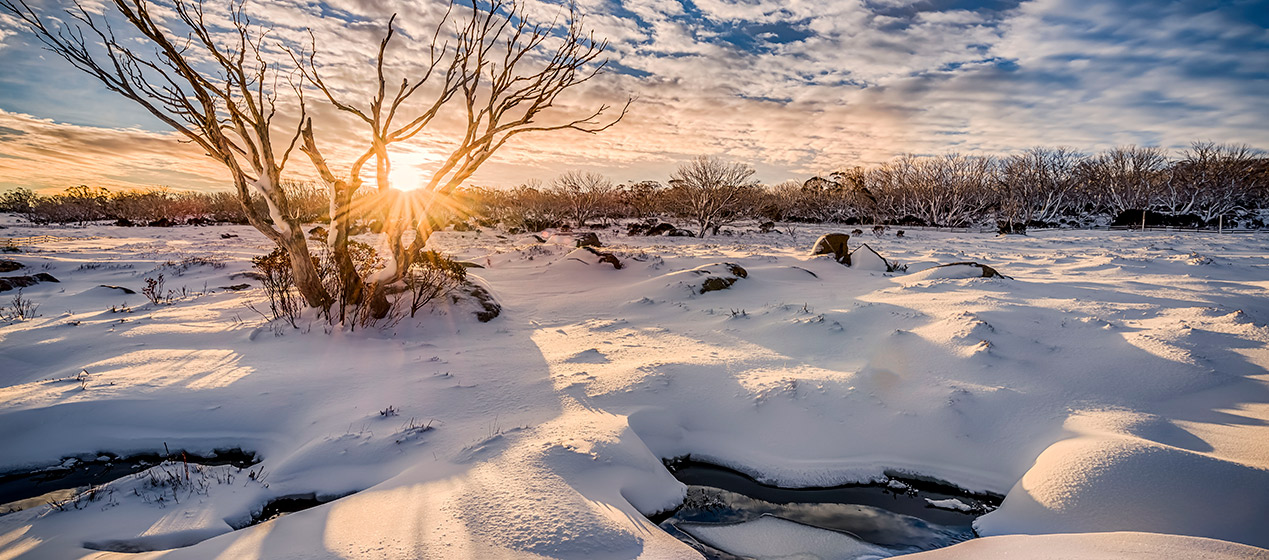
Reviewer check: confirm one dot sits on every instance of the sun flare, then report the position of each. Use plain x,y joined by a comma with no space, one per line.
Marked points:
408,171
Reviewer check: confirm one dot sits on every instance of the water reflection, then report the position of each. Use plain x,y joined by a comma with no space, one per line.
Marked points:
897,517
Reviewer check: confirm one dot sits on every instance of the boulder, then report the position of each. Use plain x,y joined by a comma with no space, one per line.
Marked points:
121,289
13,282
7,265
833,244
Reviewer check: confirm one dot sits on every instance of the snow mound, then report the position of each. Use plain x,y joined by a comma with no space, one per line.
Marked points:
1095,546
1102,483
770,537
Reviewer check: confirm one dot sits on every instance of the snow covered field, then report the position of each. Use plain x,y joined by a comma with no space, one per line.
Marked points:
1115,389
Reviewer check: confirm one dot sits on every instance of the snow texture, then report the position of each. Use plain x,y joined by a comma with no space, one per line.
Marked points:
1113,390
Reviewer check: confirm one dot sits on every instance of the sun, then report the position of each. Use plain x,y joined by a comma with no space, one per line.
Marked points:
409,170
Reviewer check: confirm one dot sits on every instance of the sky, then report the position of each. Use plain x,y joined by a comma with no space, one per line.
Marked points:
793,88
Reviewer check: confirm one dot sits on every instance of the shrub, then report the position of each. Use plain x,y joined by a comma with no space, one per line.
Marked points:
279,284
433,275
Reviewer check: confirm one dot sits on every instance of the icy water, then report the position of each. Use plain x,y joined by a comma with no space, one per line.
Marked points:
19,490
729,515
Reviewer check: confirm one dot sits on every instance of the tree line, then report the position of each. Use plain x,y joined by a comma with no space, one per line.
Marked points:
1203,186
1040,187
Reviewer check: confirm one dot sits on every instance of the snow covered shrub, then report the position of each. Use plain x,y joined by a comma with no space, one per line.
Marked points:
433,275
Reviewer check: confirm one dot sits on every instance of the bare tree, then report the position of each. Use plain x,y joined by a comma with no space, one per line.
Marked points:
712,192
213,83
1125,178
585,195
1212,180
506,72
1034,186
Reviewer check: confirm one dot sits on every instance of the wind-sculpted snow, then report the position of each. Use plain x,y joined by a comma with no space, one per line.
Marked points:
1115,387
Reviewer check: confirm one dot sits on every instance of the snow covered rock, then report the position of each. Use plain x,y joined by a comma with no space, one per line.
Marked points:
7,265
588,239
589,255
13,282
958,270
719,276
865,258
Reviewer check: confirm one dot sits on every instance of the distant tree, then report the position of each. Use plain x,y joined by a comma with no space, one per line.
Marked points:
712,192
641,199
1124,178
1035,186
585,195
1213,179
18,200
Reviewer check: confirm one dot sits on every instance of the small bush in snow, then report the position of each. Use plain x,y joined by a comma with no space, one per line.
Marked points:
432,276
19,309
279,284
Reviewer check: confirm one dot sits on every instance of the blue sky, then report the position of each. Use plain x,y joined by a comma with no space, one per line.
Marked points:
791,87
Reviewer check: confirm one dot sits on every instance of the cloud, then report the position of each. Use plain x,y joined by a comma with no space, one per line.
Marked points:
793,87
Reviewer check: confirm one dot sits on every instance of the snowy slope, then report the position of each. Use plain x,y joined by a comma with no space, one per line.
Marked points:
1117,382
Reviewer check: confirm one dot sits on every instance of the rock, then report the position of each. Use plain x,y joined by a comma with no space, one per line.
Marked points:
833,244
590,255
489,308
538,238
120,288
227,236
865,258
589,239
236,287
124,222
462,226
662,229
161,222
719,276
13,282
7,265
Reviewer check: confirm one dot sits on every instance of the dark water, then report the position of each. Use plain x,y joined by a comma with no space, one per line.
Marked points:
18,486
898,519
